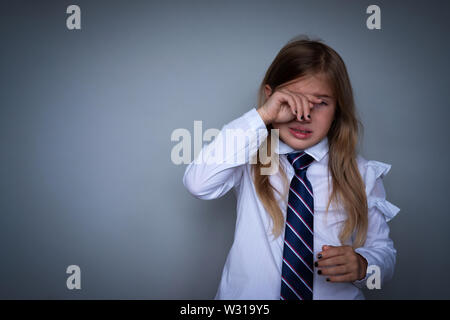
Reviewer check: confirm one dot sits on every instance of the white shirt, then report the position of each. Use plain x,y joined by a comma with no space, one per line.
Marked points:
253,266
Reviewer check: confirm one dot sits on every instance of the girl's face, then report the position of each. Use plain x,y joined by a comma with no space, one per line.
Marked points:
322,115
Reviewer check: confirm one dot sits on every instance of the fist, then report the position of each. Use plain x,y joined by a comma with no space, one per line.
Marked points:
284,106
340,264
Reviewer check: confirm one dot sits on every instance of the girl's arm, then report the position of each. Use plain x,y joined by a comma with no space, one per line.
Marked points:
379,249
219,165
343,263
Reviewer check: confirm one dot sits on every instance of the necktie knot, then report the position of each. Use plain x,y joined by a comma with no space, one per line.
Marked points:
300,160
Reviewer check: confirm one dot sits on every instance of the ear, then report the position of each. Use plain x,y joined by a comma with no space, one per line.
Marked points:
267,90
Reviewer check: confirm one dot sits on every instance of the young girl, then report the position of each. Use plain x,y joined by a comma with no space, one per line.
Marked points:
315,227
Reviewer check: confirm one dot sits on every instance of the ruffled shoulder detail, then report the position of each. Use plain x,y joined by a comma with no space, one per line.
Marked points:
373,173
387,208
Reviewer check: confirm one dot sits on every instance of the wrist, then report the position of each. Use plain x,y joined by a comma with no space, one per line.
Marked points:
363,266
263,116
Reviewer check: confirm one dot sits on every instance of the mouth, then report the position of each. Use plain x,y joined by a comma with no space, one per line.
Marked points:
300,132
301,129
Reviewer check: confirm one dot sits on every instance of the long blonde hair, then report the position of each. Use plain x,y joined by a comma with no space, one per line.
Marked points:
299,57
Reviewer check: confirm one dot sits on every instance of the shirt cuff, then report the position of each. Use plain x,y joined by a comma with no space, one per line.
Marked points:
362,283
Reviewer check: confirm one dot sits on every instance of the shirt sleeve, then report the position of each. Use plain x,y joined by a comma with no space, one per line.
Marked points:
378,249
219,165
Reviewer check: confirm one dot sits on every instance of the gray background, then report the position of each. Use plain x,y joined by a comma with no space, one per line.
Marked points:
86,119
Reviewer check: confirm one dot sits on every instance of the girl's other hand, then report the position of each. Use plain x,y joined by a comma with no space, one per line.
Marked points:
341,264
284,106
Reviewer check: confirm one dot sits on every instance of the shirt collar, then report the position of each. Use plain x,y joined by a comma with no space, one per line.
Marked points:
317,151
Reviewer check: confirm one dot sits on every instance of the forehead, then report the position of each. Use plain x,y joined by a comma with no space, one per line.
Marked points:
316,85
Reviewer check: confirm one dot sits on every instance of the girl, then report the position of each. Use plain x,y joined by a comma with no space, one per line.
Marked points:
311,231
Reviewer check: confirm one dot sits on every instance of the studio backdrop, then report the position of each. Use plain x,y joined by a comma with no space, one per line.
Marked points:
91,93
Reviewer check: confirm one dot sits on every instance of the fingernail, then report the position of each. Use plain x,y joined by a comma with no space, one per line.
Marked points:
319,271
308,116
328,279
319,256
316,264
301,117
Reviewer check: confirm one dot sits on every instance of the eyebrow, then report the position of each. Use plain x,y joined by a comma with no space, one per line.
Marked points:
322,95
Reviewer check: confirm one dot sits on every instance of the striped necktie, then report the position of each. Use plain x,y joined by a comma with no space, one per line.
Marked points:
297,270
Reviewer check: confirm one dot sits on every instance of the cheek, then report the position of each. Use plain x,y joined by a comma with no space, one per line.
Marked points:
284,129
324,116
280,126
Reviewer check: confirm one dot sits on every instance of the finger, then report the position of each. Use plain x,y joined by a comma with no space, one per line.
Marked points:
314,101
311,106
301,116
306,107
294,110
349,277
335,271
331,251
290,100
292,106
337,260
313,98
299,107
286,97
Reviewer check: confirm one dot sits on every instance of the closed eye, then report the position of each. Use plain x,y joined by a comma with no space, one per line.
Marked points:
323,103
